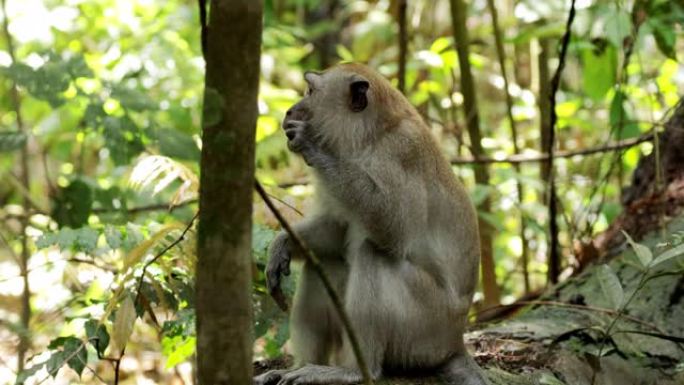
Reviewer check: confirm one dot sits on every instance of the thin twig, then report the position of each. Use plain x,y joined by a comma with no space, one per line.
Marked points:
554,252
204,27
572,306
315,263
403,45
161,253
25,315
622,144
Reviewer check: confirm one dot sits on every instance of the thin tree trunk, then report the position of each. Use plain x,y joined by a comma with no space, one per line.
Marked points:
403,44
25,178
544,103
224,304
501,54
458,16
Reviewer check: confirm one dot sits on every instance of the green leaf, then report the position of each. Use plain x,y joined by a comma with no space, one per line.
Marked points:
27,373
599,68
47,82
86,239
177,144
97,335
73,204
122,139
667,255
83,239
75,349
261,238
11,141
665,37
610,286
642,252
619,118
55,362
58,342
177,349
133,99
113,236
124,322
618,27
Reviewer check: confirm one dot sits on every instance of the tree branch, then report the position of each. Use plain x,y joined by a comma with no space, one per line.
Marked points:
554,252
25,178
521,158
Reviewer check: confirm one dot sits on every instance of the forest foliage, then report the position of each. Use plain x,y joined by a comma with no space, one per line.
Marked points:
100,122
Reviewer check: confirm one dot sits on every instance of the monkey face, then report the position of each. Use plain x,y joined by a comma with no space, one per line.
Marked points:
338,108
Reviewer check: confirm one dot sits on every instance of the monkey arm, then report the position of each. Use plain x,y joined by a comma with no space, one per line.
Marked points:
322,234
382,194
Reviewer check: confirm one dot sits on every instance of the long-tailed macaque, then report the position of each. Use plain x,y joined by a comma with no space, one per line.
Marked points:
394,229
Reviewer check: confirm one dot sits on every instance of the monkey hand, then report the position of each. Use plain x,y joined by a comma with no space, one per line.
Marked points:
299,141
278,265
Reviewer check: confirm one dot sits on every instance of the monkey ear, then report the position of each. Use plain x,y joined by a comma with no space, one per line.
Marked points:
313,78
359,99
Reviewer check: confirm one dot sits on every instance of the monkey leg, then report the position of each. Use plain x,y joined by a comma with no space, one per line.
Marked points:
463,370
315,331
319,374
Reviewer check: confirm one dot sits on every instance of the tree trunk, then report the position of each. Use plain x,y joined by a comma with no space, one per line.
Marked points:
224,304
458,16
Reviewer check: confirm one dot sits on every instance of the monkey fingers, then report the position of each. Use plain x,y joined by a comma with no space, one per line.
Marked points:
296,135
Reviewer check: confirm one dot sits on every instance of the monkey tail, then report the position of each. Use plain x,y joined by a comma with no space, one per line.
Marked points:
463,370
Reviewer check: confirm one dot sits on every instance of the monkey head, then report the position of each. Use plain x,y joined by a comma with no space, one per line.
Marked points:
345,106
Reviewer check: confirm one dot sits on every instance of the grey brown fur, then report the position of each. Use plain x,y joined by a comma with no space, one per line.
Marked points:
394,229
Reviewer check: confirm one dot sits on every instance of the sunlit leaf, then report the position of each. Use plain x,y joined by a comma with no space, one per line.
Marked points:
137,254
344,53
163,171
177,349
599,68
124,322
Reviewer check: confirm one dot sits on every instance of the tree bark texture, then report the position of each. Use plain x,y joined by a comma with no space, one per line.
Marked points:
223,282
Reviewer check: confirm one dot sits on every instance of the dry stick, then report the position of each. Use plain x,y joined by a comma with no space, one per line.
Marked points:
403,45
24,340
498,39
316,264
622,144
554,255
